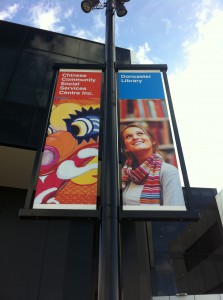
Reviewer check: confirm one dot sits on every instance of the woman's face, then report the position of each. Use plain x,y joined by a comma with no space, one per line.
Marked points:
135,139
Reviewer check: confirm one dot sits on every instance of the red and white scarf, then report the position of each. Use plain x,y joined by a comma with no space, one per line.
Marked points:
147,174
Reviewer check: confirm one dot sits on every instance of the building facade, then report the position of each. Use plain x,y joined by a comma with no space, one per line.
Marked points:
58,259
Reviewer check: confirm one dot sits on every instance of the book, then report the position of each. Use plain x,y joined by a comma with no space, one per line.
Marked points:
136,109
123,108
159,108
163,103
141,108
171,159
130,108
152,109
146,109
166,133
154,128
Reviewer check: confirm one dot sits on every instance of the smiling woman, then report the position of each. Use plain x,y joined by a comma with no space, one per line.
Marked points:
146,178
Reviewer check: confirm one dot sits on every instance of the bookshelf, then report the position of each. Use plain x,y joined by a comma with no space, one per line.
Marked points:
153,115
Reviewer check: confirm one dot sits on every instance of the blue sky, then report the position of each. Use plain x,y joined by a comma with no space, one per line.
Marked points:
184,34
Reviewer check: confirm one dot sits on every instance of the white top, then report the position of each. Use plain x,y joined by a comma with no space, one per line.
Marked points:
131,194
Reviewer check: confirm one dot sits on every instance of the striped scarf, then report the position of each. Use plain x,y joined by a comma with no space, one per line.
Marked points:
147,174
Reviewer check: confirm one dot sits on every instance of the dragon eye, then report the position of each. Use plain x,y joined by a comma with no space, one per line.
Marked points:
84,125
81,127
85,128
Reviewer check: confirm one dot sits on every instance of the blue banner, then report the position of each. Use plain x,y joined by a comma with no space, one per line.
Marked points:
142,85
150,176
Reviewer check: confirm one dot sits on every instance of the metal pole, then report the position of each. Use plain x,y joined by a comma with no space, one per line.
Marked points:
108,277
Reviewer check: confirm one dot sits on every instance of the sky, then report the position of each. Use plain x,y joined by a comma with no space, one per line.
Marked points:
187,35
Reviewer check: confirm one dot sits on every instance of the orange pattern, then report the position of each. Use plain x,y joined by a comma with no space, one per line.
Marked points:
84,194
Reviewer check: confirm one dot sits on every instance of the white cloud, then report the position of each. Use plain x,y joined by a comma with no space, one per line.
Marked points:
119,23
168,25
86,34
46,16
99,39
95,32
9,12
99,22
68,13
142,54
197,93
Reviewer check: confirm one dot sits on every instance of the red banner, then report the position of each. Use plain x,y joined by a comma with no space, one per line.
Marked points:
69,166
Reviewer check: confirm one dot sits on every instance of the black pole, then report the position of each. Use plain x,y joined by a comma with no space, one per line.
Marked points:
108,277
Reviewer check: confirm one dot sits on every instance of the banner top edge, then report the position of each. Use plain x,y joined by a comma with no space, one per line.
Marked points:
80,70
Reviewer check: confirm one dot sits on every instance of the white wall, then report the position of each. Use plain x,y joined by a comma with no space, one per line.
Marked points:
191,297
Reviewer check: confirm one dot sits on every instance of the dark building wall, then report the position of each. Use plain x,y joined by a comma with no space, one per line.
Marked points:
187,256
27,57
39,259
44,259
57,259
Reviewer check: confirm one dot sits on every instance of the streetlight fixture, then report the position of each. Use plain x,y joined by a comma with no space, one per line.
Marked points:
88,5
121,11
